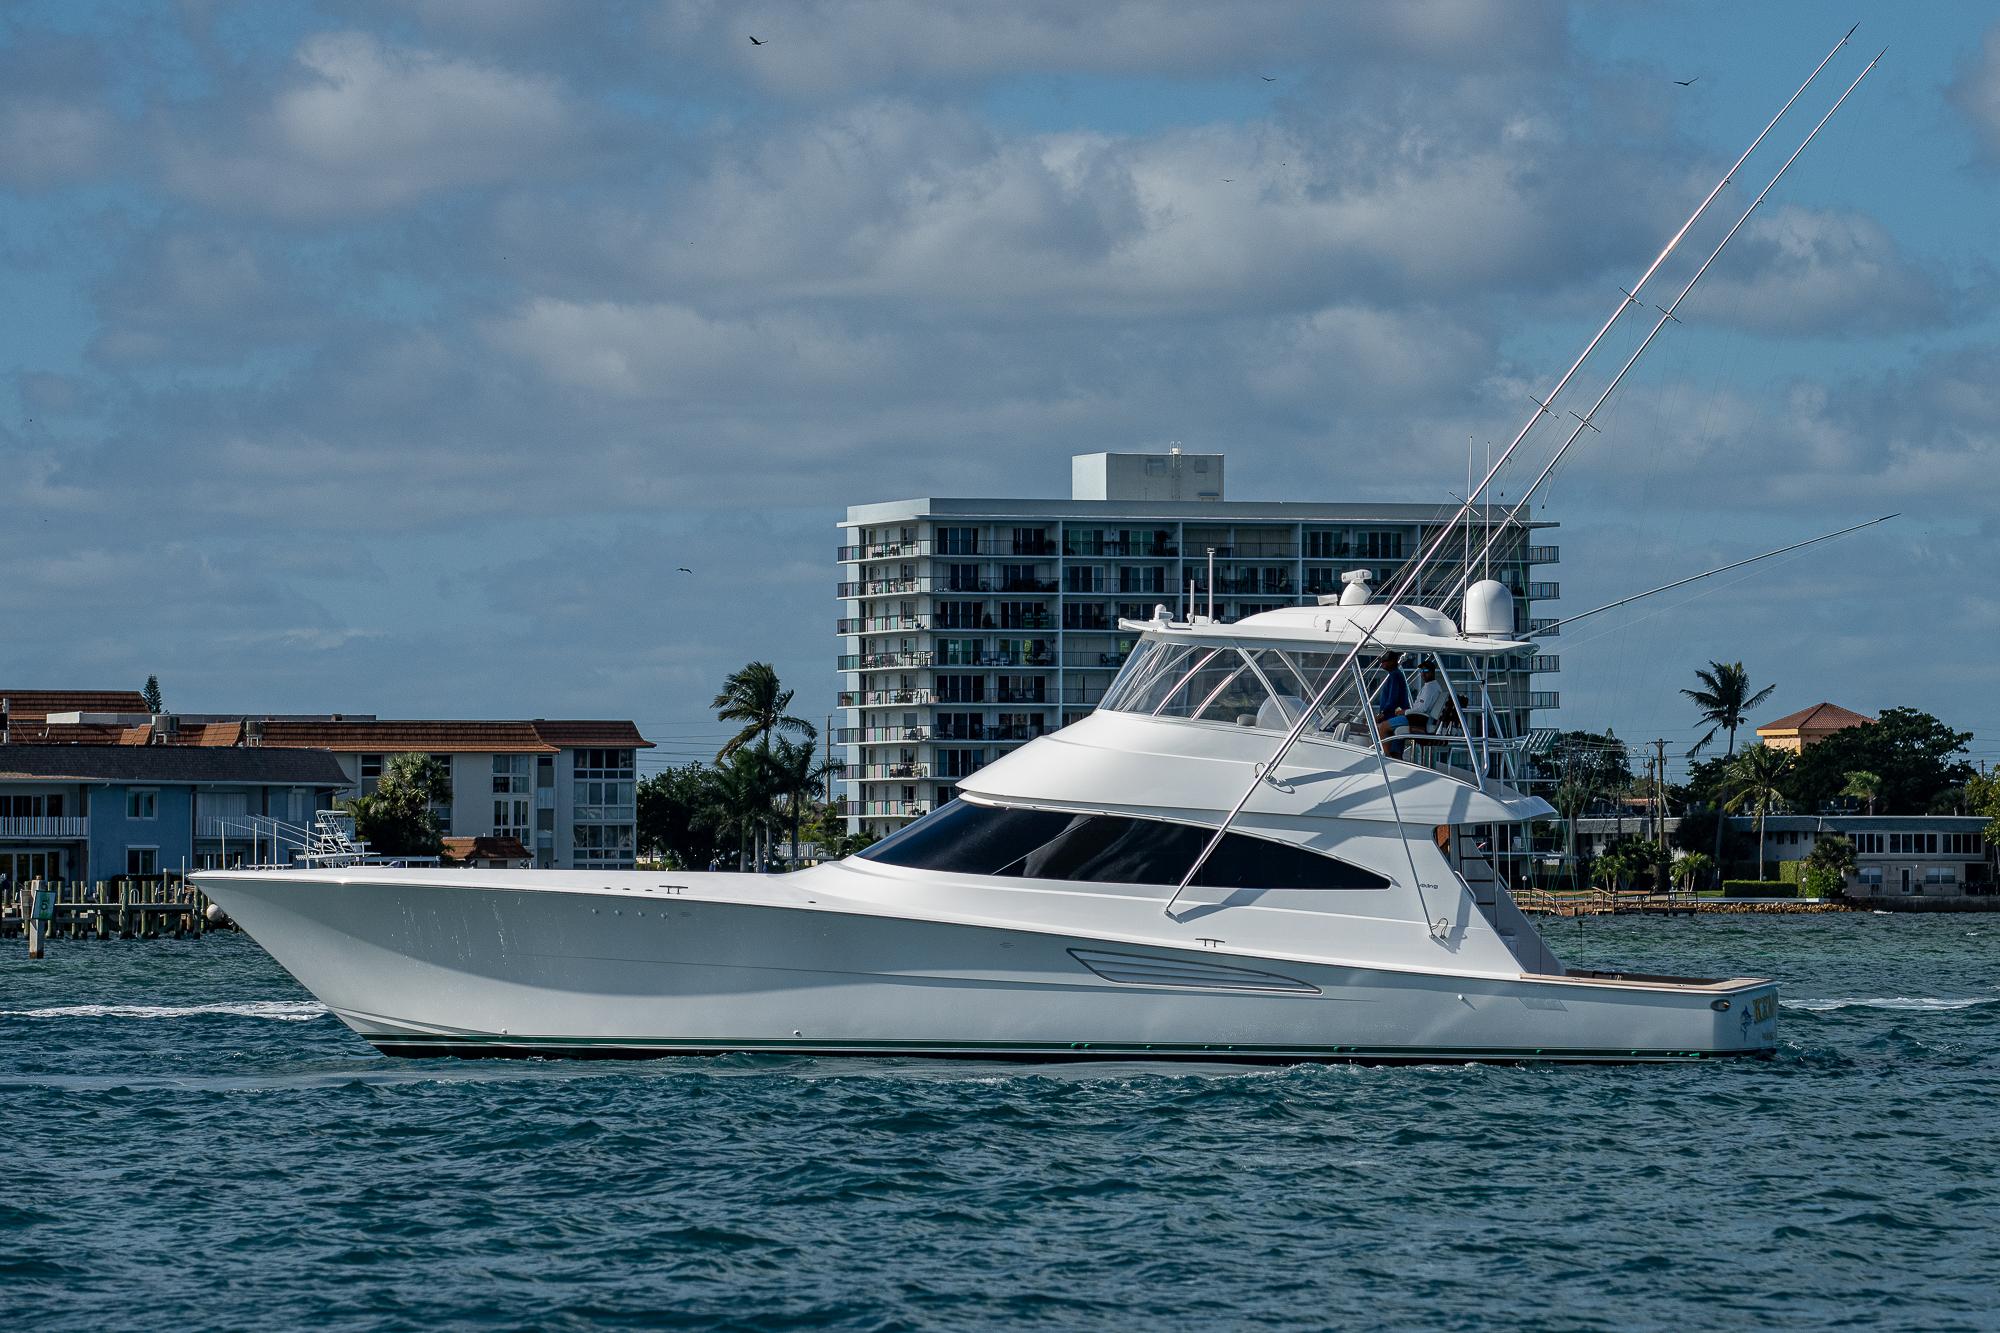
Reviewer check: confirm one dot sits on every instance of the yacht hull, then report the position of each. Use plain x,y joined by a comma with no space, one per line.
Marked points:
429,969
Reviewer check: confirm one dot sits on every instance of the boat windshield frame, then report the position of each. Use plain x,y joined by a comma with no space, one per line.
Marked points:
1240,684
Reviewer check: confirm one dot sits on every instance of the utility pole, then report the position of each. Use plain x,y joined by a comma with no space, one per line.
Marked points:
1662,879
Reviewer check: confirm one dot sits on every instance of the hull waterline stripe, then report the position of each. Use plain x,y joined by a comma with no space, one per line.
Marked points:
627,1048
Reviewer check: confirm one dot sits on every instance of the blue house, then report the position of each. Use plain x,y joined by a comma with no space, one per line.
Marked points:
99,812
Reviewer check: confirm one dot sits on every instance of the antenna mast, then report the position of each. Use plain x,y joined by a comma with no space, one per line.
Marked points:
1410,574
1668,313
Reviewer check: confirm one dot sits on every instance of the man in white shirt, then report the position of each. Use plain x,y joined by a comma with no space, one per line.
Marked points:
1427,704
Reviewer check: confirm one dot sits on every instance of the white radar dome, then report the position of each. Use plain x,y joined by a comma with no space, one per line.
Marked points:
1489,609
1357,592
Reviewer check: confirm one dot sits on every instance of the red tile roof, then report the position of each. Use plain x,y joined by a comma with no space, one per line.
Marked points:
36,705
1820,717
393,736
569,735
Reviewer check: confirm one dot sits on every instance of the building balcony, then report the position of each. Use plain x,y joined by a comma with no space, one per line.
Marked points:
1013,733
45,826
1125,550
1545,627
883,588
1544,592
1543,555
879,624
1026,622
879,735
890,809
1544,699
1034,546
880,661
1022,697
1038,586
1545,662
882,698
848,555
887,772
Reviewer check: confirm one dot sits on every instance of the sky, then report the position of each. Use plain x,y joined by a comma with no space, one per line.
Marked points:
391,356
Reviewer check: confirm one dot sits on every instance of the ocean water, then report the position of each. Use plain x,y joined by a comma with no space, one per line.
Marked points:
194,1143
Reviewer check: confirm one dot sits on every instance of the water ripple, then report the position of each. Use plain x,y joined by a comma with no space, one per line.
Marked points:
189,1126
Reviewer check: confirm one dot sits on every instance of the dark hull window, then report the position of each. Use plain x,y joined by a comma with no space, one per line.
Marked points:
968,839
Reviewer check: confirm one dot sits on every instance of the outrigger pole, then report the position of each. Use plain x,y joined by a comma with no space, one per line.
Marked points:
1429,552
1549,629
1586,420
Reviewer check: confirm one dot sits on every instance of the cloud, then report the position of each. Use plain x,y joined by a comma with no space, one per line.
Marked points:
48,141
1819,273
201,297
364,127
818,50
1975,92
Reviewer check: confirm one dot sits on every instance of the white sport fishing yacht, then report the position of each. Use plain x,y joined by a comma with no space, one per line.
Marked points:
1352,911
1227,861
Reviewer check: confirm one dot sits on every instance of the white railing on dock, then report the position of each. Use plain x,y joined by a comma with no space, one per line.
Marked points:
45,826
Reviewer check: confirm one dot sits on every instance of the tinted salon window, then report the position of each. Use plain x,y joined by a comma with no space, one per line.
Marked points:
1105,849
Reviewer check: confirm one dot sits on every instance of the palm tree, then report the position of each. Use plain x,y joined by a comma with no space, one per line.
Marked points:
1863,786
751,695
1571,798
1724,699
739,804
796,772
1694,867
1753,779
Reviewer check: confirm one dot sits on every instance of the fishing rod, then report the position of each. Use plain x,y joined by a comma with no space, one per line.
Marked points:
1552,628
1586,420
1438,540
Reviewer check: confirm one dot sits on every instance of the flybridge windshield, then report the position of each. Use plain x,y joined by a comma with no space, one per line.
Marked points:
967,839
1266,688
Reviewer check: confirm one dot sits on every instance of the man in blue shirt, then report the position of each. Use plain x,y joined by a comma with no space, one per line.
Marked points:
1392,704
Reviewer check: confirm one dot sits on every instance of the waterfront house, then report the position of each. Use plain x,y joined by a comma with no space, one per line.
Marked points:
1809,726
1901,860
102,812
565,790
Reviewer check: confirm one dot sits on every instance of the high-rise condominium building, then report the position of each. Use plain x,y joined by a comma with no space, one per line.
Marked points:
972,626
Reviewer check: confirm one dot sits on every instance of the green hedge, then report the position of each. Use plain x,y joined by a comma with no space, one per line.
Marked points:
1791,872
1758,888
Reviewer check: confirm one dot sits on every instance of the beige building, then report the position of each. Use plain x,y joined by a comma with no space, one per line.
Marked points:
1809,726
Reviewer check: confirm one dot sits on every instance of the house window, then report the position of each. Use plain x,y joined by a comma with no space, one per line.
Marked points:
143,862
142,803
371,773
510,774
510,817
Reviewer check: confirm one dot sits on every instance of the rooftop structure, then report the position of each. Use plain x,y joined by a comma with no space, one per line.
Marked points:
972,625
1808,726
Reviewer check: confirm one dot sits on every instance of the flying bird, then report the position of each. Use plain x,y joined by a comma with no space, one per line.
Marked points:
1685,82
1229,180
684,569
755,42
1267,78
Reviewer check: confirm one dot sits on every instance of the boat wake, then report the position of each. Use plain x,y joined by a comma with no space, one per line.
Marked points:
281,1011
1920,1003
